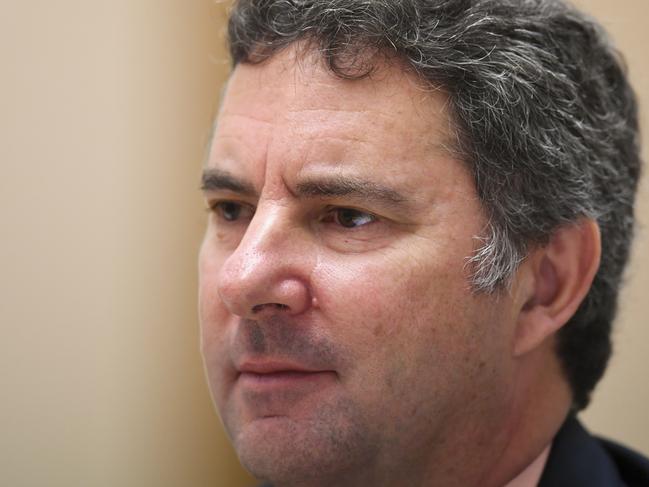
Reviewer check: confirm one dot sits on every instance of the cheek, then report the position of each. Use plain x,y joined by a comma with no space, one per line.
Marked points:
397,313
392,315
389,295
410,326
213,319
212,313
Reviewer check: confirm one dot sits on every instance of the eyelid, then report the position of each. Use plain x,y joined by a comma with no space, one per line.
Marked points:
216,206
349,207
330,211
214,201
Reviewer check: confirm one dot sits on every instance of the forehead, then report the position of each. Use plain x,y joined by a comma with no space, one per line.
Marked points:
292,117
300,95
299,79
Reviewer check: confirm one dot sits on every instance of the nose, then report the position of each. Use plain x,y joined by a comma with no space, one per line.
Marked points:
268,273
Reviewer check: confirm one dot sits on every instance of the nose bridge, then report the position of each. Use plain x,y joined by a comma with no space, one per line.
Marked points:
268,271
263,240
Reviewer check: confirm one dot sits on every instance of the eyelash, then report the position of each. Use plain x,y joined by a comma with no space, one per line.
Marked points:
219,208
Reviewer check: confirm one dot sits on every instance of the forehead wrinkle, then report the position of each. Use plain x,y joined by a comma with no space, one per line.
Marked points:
318,137
441,136
225,129
248,116
341,109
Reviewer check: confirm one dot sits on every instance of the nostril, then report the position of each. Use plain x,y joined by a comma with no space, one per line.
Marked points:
258,308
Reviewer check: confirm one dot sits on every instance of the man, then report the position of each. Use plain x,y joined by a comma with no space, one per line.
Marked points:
421,211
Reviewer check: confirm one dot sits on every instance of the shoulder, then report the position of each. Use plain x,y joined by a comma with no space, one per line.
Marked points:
633,467
579,459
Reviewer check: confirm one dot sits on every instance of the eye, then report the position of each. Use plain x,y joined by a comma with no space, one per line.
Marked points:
231,211
349,217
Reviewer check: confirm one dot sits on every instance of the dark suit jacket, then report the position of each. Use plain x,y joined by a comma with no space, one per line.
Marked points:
578,459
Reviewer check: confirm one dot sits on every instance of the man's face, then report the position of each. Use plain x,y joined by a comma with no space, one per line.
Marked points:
339,331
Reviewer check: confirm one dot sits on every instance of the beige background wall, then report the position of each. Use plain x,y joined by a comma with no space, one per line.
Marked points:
621,401
104,112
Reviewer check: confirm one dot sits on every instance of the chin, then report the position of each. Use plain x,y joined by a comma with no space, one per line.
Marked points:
284,450
278,449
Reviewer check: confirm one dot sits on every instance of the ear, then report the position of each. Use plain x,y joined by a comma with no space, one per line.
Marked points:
553,282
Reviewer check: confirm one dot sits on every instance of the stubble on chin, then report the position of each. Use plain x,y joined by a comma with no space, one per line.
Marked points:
332,446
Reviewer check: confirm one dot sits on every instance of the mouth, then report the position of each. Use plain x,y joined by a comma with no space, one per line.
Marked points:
273,374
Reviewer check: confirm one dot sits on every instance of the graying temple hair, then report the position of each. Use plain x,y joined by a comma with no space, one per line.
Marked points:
545,117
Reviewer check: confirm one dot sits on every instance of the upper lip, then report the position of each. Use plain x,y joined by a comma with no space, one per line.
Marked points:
273,366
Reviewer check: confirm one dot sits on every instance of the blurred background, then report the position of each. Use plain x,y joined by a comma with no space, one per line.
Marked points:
105,111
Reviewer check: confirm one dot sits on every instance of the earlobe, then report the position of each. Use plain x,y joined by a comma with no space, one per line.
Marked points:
556,279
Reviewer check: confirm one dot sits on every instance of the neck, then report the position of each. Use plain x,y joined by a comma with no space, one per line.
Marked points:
541,405
532,474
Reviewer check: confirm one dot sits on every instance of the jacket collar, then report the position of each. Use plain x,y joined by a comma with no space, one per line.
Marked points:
576,458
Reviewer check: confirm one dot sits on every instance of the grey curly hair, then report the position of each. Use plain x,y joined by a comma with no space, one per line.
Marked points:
545,117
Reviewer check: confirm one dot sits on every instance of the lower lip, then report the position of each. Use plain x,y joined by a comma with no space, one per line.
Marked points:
283,379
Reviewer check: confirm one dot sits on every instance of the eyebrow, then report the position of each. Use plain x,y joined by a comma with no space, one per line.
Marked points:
316,187
332,186
216,179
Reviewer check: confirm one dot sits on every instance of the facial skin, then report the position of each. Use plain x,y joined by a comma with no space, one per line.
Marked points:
337,245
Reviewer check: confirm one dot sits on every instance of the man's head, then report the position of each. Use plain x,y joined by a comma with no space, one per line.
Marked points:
408,198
